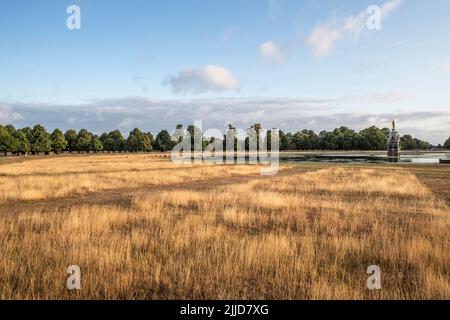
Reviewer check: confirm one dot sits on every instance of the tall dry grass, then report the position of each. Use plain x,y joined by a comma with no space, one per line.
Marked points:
66,176
304,236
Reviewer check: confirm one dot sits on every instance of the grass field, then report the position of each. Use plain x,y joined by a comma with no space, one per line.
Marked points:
143,228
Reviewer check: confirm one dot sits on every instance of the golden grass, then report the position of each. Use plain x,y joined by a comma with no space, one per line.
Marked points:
305,235
65,176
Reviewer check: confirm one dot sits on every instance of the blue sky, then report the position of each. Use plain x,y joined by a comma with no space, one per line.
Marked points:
290,64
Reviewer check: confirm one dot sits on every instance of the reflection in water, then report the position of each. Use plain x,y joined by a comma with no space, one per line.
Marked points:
364,158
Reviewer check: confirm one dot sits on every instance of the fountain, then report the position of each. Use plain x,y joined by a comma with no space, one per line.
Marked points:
393,145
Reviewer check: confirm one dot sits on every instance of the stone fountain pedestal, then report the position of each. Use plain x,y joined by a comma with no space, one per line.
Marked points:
393,145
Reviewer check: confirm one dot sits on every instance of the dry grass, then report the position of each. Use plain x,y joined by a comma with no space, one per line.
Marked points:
43,179
308,235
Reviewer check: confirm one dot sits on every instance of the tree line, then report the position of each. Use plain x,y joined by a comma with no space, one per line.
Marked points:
38,140
343,138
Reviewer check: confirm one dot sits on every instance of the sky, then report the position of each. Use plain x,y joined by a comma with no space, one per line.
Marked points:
289,64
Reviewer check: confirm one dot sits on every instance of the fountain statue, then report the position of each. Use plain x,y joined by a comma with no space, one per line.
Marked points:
393,145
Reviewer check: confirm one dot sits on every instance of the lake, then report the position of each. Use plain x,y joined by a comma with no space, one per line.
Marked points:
364,157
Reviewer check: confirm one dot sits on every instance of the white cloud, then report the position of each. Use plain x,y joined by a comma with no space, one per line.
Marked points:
209,78
354,25
324,37
389,6
289,114
7,115
270,51
127,123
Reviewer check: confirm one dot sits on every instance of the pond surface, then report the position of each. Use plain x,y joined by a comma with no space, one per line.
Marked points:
365,157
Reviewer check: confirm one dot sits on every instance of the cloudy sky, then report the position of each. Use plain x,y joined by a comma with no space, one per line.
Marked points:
289,64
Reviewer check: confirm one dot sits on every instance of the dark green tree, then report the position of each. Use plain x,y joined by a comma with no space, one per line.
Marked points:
386,132
119,141
28,132
83,142
346,139
423,145
71,138
107,141
152,140
138,141
59,142
163,141
7,141
96,144
447,143
40,140
407,142
373,139
285,141
10,128
305,140
23,145
327,141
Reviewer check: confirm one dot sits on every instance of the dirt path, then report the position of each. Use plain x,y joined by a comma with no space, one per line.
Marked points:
124,196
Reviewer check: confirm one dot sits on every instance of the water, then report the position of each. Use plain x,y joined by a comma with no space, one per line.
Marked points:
365,157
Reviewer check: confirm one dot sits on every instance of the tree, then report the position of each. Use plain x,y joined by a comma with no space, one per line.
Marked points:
256,129
7,141
346,139
40,140
196,137
23,145
373,139
119,141
447,144
138,141
107,142
407,142
305,140
326,141
83,142
28,132
420,144
59,142
152,141
71,138
10,128
386,132
163,141
286,141
96,144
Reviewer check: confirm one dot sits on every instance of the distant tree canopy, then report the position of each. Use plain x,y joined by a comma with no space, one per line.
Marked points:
113,141
7,142
447,143
407,142
71,138
96,145
138,141
163,141
59,142
38,140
